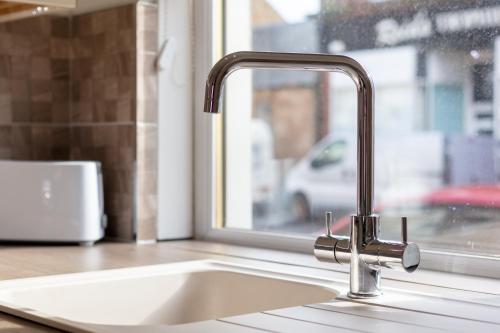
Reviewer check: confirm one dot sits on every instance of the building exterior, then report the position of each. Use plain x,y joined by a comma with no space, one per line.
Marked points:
440,55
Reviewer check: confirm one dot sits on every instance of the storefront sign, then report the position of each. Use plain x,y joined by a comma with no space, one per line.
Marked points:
390,32
468,19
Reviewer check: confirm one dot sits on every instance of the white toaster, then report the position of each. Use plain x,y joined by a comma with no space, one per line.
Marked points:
51,201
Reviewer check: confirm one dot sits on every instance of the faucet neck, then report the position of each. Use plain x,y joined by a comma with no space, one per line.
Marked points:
311,62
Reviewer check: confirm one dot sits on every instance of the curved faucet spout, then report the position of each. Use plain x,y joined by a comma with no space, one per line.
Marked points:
311,62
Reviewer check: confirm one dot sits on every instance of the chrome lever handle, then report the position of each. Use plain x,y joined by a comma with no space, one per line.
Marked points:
329,219
404,230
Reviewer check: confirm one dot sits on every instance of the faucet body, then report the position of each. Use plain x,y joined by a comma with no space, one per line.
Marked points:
365,252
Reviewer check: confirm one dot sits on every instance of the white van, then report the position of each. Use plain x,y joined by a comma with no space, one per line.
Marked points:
325,179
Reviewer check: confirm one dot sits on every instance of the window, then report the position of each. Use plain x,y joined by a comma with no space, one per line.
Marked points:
289,138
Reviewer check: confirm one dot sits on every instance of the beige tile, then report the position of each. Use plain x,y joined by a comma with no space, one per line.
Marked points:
147,17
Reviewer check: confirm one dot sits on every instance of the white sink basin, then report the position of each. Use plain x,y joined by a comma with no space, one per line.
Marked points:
156,296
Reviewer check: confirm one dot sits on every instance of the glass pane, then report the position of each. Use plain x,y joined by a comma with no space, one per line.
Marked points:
433,66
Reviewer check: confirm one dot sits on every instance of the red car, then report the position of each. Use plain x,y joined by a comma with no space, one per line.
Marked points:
454,218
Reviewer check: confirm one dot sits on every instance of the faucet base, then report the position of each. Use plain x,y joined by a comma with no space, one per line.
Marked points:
360,296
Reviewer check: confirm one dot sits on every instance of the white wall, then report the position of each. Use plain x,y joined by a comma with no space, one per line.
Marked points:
175,183
397,98
238,114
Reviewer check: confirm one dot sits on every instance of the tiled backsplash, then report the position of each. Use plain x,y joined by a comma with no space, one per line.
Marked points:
84,88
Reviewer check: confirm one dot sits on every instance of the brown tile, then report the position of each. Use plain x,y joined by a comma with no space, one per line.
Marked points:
41,111
5,136
6,154
81,69
60,111
83,47
60,48
60,91
5,42
126,135
60,27
5,67
5,109
40,68
125,109
98,66
21,111
106,136
60,136
21,136
126,40
99,45
99,90
111,42
82,90
21,153
40,25
41,90
60,153
20,67
82,25
82,111
60,69
20,45
82,137
20,90
24,27
121,64
40,47
126,17
111,88
4,86
104,21
120,227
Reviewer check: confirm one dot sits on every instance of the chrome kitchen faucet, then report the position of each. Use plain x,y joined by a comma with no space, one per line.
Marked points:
365,252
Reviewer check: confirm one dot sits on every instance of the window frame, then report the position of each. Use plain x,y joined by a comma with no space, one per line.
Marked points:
208,210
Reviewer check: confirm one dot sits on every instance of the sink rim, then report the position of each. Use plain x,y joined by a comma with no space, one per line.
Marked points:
25,284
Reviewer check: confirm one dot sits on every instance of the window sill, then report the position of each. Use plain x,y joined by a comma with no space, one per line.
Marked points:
422,281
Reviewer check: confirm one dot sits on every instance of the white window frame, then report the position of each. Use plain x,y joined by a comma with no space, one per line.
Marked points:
206,215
